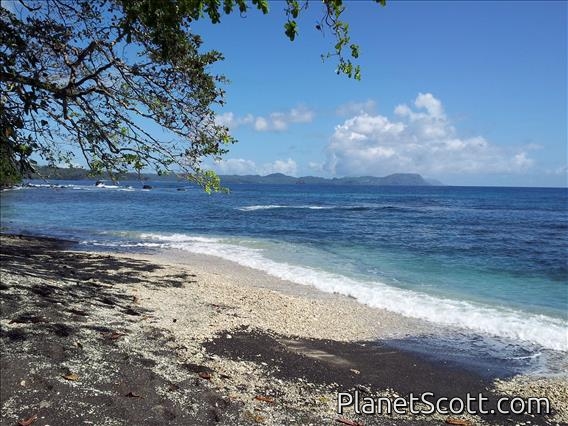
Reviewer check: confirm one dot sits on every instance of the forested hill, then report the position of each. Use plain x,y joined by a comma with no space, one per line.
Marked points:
397,179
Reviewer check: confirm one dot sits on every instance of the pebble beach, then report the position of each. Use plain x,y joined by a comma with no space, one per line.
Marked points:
100,338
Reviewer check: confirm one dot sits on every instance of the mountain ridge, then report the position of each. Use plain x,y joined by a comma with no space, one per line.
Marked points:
395,179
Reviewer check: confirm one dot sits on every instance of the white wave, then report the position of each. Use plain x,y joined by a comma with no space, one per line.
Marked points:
364,206
53,186
532,356
318,207
77,187
105,186
113,187
120,244
276,206
40,185
253,208
546,331
178,238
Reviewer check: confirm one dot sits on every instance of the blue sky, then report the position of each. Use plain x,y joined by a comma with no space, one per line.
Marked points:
470,93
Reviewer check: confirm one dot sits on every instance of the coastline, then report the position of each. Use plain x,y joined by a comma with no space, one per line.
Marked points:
234,345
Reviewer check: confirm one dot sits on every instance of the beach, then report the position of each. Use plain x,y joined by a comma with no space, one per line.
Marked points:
163,337
200,224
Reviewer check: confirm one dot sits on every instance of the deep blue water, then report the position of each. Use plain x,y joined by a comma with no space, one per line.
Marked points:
490,260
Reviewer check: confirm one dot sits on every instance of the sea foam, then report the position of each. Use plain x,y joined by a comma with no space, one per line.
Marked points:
548,332
346,207
276,206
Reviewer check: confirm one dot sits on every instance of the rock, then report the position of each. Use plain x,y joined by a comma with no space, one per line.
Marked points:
458,422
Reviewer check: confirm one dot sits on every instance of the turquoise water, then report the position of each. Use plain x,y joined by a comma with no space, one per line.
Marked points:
490,261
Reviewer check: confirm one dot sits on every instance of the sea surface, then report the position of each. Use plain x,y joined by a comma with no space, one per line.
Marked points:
489,265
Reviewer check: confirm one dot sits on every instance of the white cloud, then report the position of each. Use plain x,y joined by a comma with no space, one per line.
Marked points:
231,121
279,121
316,167
522,161
559,171
421,139
429,124
226,119
353,108
235,166
301,114
240,166
275,122
288,167
430,104
260,124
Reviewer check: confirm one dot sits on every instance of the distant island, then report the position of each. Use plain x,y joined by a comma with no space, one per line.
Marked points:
396,179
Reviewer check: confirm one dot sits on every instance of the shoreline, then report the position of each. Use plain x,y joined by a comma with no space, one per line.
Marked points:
361,322
239,334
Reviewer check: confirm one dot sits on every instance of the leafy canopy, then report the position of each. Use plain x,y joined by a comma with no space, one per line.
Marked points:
125,81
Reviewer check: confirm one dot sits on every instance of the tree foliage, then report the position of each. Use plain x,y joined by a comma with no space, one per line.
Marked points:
125,81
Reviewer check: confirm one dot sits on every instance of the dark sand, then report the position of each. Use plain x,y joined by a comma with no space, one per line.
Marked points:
66,312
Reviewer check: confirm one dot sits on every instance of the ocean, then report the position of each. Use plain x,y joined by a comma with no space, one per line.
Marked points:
487,265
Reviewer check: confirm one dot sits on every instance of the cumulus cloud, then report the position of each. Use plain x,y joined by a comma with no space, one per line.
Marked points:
420,139
275,121
240,166
288,167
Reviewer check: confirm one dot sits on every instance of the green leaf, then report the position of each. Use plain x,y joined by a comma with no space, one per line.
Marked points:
262,5
354,50
290,30
295,9
228,6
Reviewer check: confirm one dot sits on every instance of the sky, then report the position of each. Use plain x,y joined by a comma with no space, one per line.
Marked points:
469,93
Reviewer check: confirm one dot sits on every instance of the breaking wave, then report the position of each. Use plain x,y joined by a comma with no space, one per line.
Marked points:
546,331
